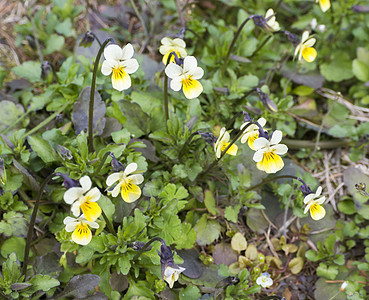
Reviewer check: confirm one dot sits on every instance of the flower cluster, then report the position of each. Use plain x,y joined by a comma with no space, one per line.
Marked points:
181,69
82,199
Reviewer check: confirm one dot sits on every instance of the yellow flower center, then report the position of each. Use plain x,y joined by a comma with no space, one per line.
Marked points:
188,83
223,146
82,230
119,73
91,210
251,140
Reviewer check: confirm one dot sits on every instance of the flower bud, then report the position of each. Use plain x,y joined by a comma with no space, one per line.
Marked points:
208,137
115,164
264,98
68,182
47,71
64,152
87,40
295,40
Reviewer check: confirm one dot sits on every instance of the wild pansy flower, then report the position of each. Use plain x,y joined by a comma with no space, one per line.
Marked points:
119,62
313,202
178,46
268,151
264,280
251,133
84,198
169,270
186,77
81,232
324,4
271,20
223,142
127,184
305,48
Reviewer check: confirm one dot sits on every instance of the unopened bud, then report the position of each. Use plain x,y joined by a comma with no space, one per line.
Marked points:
360,9
68,182
115,164
47,71
264,98
64,152
295,40
208,137
87,40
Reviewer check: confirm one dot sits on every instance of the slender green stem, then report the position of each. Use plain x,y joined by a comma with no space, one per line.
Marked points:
96,38
46,121
216,161
108,223
233,42
147,245
261,45
16,121
32,223
102,162
92,98
269,180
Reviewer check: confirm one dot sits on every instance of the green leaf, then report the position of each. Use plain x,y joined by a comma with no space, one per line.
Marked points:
187,238
54,43
191,292
13,223
231,213
13,244
30,70
209,202
337,70
42,148
329,272
347,207
139,288
65,27
138,122
360,70
107,206
296,264
207,230
43,283
124,264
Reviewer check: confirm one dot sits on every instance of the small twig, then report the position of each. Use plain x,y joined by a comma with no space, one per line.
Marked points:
267,219
270,243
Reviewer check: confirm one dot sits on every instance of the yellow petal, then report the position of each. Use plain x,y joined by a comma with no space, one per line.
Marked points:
271,163
191,88
324,5
232,150
120,79
309,54
91,210
252,139
172,59
82,235
130,192
317,212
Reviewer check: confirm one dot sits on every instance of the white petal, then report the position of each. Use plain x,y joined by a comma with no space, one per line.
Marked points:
127,52
122,83
130,65
276,137
136,178
164,49
166,41
258,155
179,43
310,42
318,191
269,13
173,70
108,66
68,220
112,178
305,36
75,208
261,143
130,168
115,192
86,183
280,149
261,122
72,194
196,73
307,208
94,194
176,84
92,224
308,198
320,201
113,52
189,63
71,226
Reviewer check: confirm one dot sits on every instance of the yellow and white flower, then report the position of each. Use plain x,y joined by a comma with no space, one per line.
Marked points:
81,232
119,62
271,20
127,184
178,46
251,133
223,142
84,198
186,76
314,203
267,153
324,4
171,274
305,48
264,280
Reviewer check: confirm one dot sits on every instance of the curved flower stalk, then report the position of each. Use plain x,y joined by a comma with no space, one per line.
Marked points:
324,4
119,62
268,151
305,48
168,45
169,270
264,280
251,133
186,77
81,232
314,203
127,183
223,142
271,21
84,199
